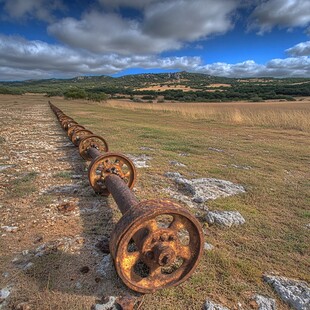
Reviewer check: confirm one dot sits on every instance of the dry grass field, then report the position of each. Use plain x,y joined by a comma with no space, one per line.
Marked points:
270,139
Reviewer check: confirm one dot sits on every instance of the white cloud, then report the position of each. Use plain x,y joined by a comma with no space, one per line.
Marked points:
23,59
288,67
125,3
188,20
20,58
301,49
108,33
40,9
282,13
165,26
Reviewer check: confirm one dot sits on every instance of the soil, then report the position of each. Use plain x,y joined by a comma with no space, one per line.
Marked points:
44,192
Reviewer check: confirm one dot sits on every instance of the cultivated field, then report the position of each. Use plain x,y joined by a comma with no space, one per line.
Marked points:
262,146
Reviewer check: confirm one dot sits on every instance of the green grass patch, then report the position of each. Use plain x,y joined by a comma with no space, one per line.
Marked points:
63,174
24,185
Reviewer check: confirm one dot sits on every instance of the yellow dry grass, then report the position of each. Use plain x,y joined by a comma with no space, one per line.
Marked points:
273,114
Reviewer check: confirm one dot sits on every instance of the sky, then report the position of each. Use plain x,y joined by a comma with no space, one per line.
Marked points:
41,39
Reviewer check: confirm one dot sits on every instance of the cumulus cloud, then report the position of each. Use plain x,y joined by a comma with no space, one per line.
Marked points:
301,49
20,58
288,67
282,13
165,26
24,59
40,9
125,3
188,20
108,33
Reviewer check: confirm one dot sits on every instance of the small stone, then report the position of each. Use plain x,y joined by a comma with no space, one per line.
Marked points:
28,266
198,199
208,246
176,163
78,285
209,305
76,176
84,269
25,252
146,148
5,275
107,304
11,229
215,150
4,294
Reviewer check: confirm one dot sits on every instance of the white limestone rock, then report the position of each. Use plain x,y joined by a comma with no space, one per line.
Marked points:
225,218
110,304
208,246
209,305
265,303
293,292
204,189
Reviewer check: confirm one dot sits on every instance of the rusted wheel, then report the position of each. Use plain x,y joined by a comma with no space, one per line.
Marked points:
156,244
65,121
78,135
74,127
94,141
71,123
110,163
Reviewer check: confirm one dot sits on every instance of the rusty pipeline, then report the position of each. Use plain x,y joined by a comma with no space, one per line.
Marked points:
157,243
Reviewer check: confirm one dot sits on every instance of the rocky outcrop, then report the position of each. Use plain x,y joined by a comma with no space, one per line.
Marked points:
293,292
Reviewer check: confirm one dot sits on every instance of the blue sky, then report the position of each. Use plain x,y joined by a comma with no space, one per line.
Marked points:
62,39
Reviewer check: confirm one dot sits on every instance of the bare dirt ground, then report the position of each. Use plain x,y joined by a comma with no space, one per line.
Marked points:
41,173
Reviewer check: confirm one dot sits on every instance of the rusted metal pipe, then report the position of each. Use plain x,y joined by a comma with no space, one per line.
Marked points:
123,196
93,152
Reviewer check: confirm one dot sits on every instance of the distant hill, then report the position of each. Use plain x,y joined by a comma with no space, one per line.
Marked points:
181,86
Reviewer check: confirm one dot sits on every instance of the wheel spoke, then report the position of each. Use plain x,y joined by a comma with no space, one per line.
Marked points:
155,272
127,174
130,260
151,225
177,223
185,252
97,177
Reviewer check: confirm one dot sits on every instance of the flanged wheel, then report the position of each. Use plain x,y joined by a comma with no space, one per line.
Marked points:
71,130
71,123
92,141
65,124
155,245
78,135
65,121
110,163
